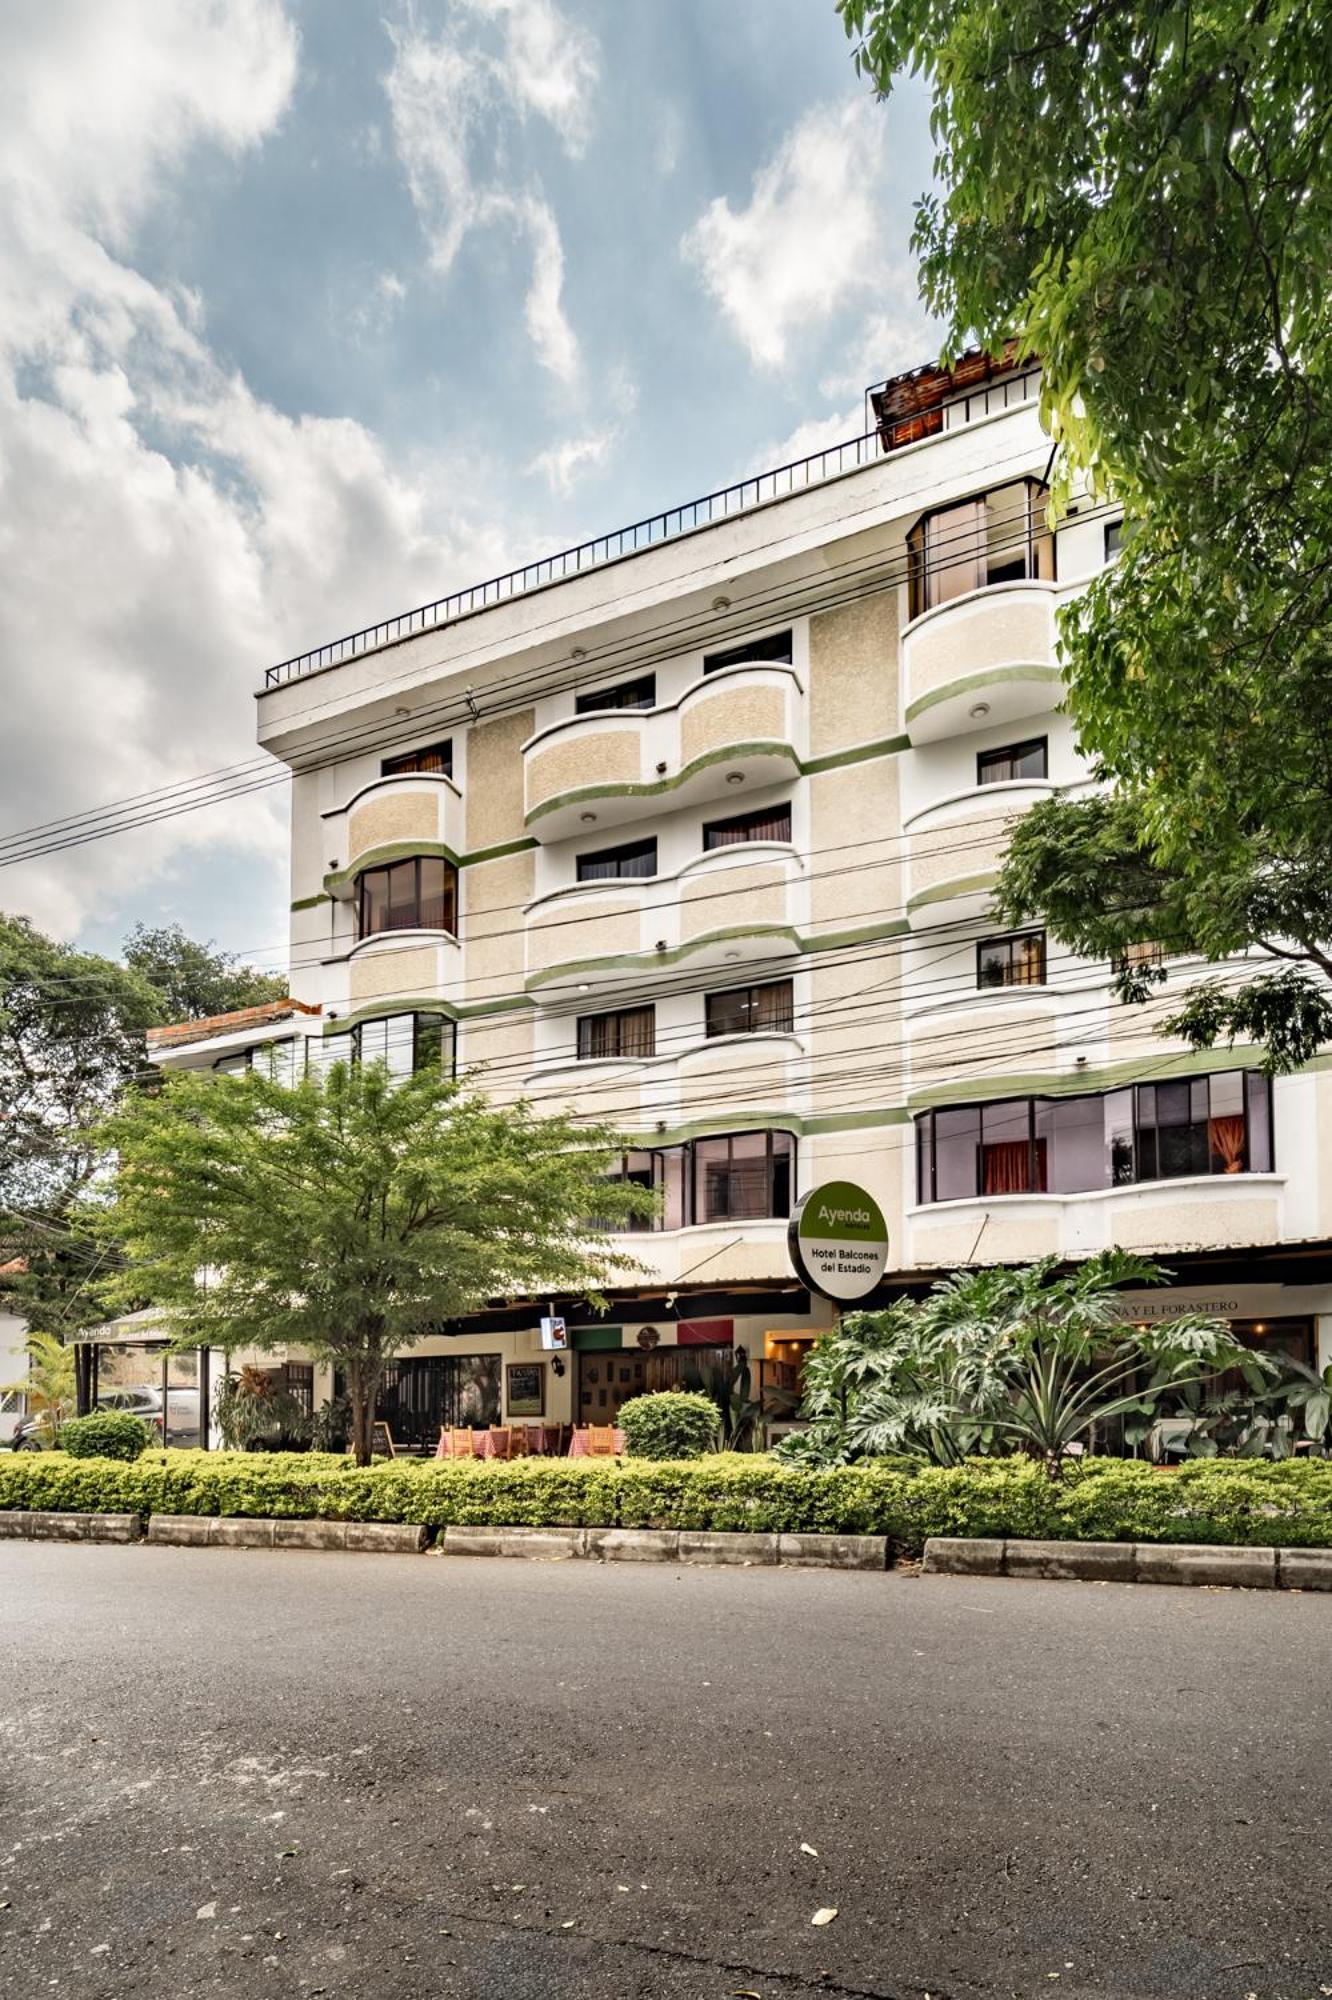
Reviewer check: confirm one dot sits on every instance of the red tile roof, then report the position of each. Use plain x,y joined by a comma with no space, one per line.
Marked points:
179,1032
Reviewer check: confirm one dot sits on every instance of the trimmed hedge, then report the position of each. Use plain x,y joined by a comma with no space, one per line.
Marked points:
1287,1505
670,1423
105,1434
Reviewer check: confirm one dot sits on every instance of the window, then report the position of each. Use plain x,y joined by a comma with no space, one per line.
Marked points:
1114,539
745,1176
630,1032
777,646
773,823
1218,1124
436,759
1018,960
641,693
418,894
751,1010
998,537
407,1042
284,1061
1140,956
611,863
1014,761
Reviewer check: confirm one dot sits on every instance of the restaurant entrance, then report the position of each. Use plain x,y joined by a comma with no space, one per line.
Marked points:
607,1380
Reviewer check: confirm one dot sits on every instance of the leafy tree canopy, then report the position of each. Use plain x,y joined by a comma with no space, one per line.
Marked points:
196,980
1141,194
351,1215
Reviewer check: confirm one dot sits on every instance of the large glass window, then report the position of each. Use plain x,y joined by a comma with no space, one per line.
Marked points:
1218,1124
417,894
751,1010
1016,960
407,1042
436,759
772,823
997,537
743,1176
641,693
610,864
1013,762
632,1031
776,646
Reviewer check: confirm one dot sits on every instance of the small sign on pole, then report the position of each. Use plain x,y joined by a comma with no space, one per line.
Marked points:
554,1333
838,1241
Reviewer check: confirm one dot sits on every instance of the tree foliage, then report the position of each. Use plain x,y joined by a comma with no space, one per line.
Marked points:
1141,195
349,1216
196,980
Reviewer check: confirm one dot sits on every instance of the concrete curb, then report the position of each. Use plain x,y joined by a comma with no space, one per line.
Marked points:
658,1545
1133,1562
235,1531
30,1525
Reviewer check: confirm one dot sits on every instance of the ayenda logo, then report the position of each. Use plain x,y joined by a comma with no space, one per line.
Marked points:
839,1241
859,1218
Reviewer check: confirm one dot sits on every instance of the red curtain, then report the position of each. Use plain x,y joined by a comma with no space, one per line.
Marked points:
1225,1137
1006,1168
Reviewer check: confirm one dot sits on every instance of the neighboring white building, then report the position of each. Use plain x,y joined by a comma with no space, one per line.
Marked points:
695,828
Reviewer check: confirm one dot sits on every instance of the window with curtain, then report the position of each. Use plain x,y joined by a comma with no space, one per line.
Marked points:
1013,762
637,859
435,759
641,693
630,1032
741,1176
772,823
1018,960
417,894
1219,1124
776,646
995,537
751,1010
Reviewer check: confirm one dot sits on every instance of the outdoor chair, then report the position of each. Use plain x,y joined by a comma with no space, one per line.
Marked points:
536,1439
501,1441
601,1440
461,1444
519,1441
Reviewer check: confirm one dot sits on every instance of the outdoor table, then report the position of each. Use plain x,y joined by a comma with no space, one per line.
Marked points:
579,1442
483,1444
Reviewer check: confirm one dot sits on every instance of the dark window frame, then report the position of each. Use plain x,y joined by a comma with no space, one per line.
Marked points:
616,1018
1036,550
772,649
1114,539
627,850
1121,1170
753,1026
685,1156
424,1023
1009,753
608,701
1009,938
413,861
761,816
405,763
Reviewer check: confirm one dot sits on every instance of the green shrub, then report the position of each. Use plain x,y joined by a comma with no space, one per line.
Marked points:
1287,1504
105,1434
670,1424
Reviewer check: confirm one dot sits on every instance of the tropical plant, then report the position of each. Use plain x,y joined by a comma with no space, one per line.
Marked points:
1037,1358
728,1380
670,1423
351,1214
106,1434
48,1386
330,1426
254,1412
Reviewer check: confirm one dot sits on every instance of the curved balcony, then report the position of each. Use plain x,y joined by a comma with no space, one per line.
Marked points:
954,854
734,908
423,965
729,734
724,1075
994,646
1211,1211
415,813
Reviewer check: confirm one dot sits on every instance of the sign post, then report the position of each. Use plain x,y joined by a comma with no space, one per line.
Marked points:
838,1241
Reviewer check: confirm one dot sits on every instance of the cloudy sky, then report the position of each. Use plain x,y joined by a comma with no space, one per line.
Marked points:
314,312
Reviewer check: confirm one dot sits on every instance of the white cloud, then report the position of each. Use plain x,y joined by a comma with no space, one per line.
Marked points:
164,533
810,240
562,464
456,101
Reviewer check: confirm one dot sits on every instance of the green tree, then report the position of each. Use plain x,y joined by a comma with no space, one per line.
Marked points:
48,1385
350,1216
1141,195
990,1360
196,980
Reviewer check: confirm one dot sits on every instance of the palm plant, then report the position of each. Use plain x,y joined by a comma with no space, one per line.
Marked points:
49,1385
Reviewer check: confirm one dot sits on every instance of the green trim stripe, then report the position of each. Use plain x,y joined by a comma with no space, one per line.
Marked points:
644,961
957,885
860,753
407,850
992,677
657,787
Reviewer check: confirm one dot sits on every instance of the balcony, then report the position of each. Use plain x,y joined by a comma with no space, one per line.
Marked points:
955,852
730,733
729,909
417,813
993,646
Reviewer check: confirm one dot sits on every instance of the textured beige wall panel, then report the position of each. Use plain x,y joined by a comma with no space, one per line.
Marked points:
381,975
729,896
1200,1224
974,846
1001,631
494,779
569,931
606,757
400,816
856,854
950,1244
495,893
731,715
853,674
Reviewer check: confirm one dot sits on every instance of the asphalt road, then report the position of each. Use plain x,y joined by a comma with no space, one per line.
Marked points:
253,1773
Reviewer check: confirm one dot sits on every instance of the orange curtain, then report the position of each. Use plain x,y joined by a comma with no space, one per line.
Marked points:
1225,1137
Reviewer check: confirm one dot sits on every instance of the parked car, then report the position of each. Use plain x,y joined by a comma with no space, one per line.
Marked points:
143,1400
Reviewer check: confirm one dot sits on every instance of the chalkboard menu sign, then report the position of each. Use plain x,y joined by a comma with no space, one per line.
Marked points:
527,1389
381,1439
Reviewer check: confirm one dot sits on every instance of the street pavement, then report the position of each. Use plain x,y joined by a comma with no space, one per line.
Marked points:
260,1773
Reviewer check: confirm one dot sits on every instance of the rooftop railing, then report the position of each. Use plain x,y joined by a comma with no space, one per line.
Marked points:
741,498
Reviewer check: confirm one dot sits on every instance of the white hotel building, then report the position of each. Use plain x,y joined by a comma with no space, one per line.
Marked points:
695,828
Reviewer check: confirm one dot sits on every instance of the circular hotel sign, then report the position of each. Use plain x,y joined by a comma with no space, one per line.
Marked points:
838,1240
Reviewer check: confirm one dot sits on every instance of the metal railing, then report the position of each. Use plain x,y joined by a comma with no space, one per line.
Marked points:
741,498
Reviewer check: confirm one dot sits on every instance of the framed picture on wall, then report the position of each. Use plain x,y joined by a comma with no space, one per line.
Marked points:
526,1389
